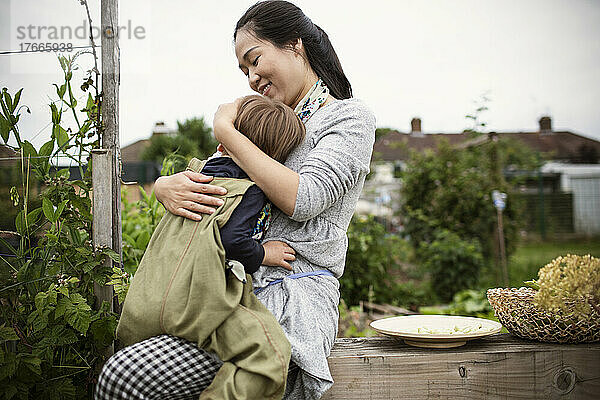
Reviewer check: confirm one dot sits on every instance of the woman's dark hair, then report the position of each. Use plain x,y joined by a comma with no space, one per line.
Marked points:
281,23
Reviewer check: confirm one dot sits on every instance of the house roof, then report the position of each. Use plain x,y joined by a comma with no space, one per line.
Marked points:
133,152
7,152
559,145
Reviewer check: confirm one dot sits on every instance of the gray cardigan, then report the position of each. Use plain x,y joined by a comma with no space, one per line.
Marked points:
332,163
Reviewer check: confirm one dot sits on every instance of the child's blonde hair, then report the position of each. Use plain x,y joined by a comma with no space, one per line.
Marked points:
269,124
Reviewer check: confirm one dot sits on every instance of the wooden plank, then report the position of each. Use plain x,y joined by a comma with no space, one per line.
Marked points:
102,223
500,366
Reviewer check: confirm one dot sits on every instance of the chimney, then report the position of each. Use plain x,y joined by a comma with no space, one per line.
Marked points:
160,128
545,124
415,124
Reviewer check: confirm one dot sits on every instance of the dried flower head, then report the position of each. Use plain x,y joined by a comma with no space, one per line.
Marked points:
570,280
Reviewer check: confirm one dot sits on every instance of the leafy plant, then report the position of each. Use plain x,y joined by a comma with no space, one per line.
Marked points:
372,259
467,302
454,263
353,322
52,331
139,222
449,189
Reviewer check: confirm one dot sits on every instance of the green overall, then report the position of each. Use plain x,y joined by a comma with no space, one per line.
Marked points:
181,288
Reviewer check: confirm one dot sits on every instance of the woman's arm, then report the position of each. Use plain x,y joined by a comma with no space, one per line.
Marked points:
341,155
278,182
187,195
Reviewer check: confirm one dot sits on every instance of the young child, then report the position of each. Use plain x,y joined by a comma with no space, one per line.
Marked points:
193,280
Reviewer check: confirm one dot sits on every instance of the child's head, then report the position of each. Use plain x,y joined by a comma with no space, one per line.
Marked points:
270,125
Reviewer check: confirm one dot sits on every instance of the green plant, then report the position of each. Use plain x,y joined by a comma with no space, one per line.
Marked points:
353,322
413,293
197,130
467,302
162,146
139,222
373,255
453,263
52,331
531,255
451,189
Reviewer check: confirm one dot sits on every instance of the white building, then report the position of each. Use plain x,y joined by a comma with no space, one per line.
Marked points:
583,181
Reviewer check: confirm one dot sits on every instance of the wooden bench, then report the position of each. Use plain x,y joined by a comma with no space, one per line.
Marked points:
501,366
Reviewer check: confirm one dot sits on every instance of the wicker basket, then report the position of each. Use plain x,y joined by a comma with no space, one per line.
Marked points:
514,308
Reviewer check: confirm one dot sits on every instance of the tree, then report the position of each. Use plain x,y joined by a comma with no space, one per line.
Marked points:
196,130
449,189
193,139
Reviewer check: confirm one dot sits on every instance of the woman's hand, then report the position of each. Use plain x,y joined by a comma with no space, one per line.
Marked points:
186,194
277,254
224,117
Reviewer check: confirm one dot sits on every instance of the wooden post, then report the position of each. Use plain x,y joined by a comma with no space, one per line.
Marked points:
110,115
502,248
541,198
499,200
106,173
102,223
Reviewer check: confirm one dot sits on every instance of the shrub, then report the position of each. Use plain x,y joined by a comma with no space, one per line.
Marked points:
453,263
451,189
372,257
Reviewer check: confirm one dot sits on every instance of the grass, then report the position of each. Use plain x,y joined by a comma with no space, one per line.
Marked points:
531,256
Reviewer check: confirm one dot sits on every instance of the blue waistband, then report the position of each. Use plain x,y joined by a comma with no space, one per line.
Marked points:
295,276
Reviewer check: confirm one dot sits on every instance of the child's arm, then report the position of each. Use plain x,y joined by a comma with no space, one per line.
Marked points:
236,236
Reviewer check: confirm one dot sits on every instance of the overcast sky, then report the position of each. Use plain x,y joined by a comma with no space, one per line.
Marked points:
405,59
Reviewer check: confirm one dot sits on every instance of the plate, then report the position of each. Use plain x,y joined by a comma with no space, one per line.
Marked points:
402,328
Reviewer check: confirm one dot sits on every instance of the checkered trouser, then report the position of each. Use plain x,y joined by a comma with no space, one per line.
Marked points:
162,367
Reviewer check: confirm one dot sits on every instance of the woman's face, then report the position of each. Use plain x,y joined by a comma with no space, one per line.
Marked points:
273,72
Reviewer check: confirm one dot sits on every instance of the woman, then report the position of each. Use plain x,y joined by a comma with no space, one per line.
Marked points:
286,57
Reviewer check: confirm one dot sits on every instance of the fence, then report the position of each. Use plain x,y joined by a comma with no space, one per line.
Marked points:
567,202
548,214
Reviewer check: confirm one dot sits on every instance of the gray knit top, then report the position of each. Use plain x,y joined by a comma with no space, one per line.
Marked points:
332,164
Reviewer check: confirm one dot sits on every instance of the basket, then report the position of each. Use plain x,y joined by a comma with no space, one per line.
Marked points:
514,308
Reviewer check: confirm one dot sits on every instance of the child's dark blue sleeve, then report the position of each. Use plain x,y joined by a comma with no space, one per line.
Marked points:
236,234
